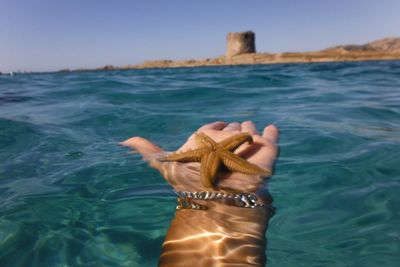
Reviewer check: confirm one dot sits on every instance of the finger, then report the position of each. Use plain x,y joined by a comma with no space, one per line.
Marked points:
233,126
248,126
144,147
218,125
271,133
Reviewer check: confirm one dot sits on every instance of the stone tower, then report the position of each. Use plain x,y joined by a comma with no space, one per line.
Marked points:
240,43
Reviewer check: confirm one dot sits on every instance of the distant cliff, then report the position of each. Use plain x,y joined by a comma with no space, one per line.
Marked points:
383,49
386,45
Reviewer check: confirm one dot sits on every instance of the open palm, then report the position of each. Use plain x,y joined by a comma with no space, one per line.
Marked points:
186,176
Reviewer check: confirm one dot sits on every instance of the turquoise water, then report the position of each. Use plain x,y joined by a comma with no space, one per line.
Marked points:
71,196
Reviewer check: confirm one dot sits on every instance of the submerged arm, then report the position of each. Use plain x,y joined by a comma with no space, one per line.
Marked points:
222,234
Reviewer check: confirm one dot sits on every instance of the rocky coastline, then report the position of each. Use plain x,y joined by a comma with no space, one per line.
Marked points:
265,58
383,49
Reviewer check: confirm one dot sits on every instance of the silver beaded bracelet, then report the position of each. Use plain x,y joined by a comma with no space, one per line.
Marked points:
243,200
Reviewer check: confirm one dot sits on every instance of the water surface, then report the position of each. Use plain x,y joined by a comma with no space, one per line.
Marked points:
71,196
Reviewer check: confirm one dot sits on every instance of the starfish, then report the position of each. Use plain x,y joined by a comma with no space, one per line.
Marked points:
212,155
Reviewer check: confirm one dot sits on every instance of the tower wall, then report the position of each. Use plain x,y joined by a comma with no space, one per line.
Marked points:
240,43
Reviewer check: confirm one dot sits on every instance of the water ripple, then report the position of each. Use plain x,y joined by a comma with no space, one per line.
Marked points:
71,196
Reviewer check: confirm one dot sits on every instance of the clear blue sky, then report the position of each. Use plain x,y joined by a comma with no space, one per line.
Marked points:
48,35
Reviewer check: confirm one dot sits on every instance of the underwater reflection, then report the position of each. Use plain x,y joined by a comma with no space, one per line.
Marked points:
220,235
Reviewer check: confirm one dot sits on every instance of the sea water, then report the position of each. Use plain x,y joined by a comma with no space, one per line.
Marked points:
71,196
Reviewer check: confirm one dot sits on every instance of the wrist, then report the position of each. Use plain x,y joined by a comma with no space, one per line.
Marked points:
211,200
217,215
191,199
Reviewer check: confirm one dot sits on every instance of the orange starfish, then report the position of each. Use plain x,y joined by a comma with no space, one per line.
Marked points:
212,155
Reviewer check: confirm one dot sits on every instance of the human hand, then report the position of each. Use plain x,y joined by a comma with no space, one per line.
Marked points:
186,176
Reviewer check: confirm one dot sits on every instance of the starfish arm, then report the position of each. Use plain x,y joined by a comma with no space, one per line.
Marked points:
186,156
209,168
236,164
203,140
235,141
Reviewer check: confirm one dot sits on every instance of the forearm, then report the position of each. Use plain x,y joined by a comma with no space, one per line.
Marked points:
222,235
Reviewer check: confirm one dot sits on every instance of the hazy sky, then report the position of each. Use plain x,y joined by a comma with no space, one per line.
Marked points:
42,35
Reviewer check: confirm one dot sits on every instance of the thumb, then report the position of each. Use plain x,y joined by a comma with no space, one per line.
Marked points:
147,149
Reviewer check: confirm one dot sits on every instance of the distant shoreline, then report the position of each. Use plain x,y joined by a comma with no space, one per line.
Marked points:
256,59
383,49
264,58
386,49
